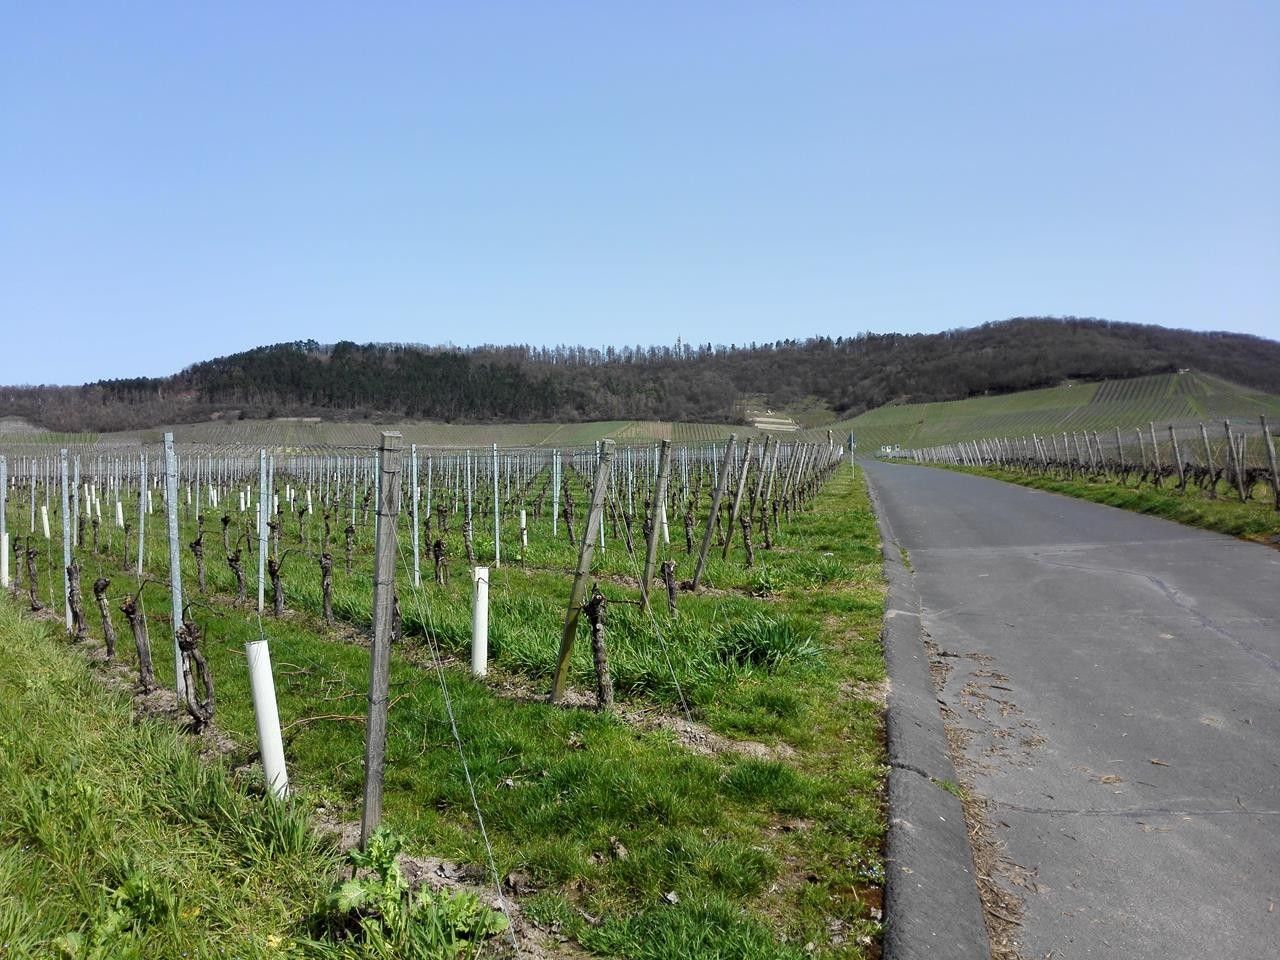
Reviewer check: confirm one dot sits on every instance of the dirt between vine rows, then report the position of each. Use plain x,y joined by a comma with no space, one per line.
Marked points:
698,737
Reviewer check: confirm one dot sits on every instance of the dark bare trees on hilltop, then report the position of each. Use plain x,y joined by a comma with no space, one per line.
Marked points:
685,382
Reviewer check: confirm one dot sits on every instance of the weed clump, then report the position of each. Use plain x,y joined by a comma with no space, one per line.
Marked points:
376,914
762,641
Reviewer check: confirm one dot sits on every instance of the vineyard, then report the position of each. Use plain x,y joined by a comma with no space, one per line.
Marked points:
318,434
1183,399
1227,480
707,781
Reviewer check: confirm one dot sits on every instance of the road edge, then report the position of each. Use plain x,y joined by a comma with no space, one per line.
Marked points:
932,904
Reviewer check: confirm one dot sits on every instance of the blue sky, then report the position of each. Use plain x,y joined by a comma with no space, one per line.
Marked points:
180,181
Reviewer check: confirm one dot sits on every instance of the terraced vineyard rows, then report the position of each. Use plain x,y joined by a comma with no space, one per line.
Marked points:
708,432
1180,399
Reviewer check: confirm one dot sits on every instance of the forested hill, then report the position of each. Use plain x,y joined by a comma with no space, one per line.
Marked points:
682,382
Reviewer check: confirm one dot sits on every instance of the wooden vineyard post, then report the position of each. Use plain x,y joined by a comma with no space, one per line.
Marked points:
1236,466
1177,458
1266,442
655,513
797,454
768,495
1155,452
761,470
1242,458
1208,463
384,587
723,480
175,562
585,554
737,500
807,451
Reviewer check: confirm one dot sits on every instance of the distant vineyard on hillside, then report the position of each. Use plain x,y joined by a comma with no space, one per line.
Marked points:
1177,398
1163,398
283,434
810,381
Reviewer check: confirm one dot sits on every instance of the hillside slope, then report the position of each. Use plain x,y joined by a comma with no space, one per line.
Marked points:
528,384
1166,398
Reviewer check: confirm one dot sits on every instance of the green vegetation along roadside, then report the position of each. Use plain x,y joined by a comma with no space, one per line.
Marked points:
1253,520
120,841
752,833
116,839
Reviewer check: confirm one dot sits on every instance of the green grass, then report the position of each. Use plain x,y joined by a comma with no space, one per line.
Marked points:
1252,520
953,788
728,854
115,835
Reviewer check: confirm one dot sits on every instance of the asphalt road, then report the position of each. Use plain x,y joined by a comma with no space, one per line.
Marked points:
1115,681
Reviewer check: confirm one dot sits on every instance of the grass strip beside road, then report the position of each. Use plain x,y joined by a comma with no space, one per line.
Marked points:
117,840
